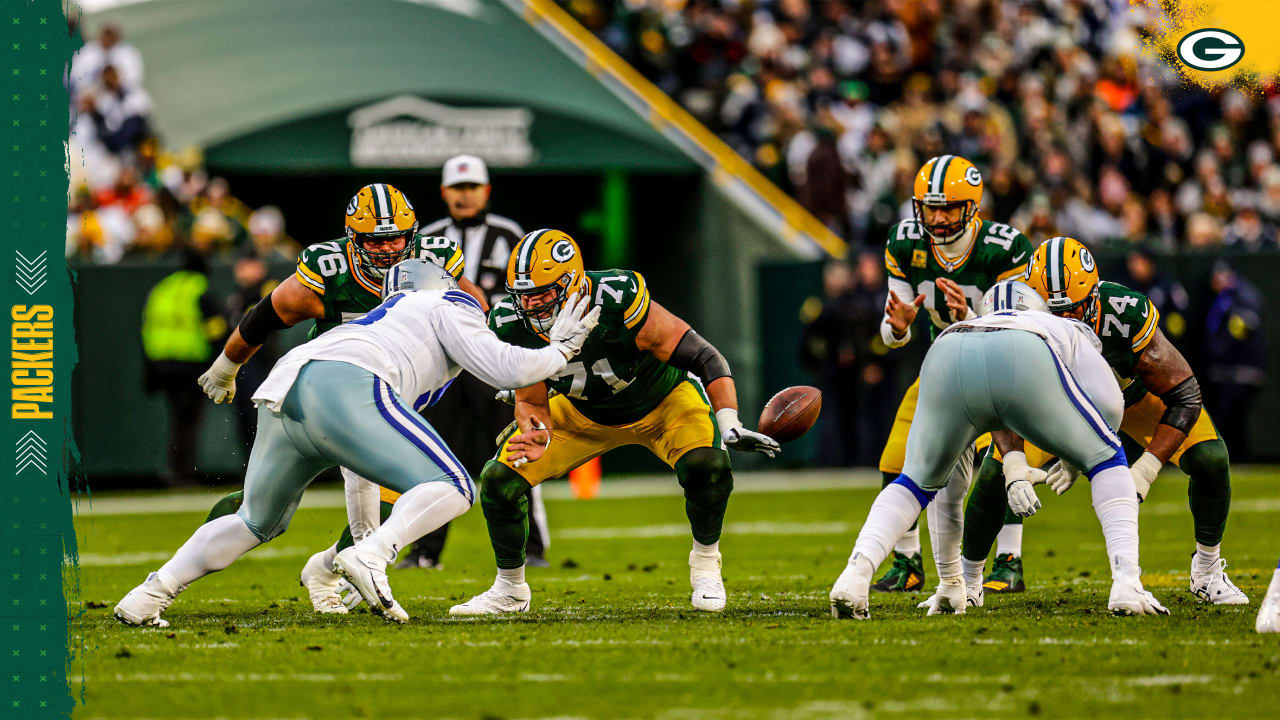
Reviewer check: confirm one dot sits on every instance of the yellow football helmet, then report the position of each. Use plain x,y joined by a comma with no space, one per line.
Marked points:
544,260
947,181
1063,271
378,213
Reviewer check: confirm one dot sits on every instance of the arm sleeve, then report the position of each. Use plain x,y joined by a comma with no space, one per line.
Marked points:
903,291
471,344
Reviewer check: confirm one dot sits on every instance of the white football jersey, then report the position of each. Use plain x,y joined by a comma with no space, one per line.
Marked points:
417,342
1076,345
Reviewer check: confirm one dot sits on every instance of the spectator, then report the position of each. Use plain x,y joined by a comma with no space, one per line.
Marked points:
119,113
1235,352
1203,233
266,231
1247,232
107,49
252,286
829,350
1169,296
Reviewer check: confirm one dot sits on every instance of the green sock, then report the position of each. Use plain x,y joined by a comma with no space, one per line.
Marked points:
346,541
886,479
986,511
504,499
228,505
1209,489
707,479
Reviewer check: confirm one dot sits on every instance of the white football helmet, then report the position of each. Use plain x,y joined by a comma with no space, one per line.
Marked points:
409,275
1011,295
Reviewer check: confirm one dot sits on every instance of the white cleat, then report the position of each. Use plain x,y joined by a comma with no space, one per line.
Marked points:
850,595
708,587
142,605
1215,587
501,599
1269,613
322,585
367,572
951,598
1128,597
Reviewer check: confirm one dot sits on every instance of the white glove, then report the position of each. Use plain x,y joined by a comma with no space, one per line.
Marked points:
219,381
1018,481
1061,476
350,596
574,323
948,599
1144,473
741,439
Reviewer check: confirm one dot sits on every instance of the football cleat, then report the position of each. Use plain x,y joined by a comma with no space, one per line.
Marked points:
708,587
1128,597
905,575
500,599
1214,586
850,595
1006,575
143,604
1269,614
322,585
367,572
950,598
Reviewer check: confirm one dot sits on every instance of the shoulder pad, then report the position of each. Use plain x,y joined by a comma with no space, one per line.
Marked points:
622,294
319,262
439,250
503,319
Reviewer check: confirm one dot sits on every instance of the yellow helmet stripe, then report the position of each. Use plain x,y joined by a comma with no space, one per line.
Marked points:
525,259
939,177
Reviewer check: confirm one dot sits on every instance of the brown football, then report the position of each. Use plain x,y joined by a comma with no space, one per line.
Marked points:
791,413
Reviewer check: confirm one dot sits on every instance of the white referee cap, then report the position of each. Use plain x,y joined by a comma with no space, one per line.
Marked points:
465,169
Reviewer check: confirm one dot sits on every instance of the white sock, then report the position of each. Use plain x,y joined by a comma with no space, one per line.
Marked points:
890,516
709,552
1009,541
511,576
213,546
946,523
1115,502
972,571
422,509
909,543
1206,556
329,555
363,501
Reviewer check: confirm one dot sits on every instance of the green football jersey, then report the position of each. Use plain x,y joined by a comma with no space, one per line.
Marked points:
1126,324
611,382
330,270
999,252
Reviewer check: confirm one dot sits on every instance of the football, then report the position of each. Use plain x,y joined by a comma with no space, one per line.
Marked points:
790,413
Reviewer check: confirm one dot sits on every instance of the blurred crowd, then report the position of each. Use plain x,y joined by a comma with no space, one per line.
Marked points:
1076,131
130,198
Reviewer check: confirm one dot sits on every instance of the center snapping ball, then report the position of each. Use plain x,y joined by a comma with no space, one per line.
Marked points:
791,413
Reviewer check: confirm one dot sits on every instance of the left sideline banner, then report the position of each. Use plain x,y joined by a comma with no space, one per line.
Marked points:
41,650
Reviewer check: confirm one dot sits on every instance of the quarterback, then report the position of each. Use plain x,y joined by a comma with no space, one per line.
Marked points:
342,400
1015,372
335,282
1163,414
644,377
944,258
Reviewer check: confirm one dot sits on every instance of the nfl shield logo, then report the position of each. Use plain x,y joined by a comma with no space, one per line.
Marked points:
918,258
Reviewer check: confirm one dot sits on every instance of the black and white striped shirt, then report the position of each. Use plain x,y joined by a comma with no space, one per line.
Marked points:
486,242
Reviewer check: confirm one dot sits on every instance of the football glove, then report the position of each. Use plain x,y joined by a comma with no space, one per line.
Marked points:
1018,481
741,439
573,324
948,599
219,381
1061,476
1144,473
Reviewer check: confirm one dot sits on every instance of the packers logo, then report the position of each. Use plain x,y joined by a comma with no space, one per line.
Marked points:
1086,260
353,205
972,176
918,258
562,251
406,201
1210,49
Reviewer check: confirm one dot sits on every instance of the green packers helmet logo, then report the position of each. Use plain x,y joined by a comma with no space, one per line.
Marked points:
1086,260
353,205
1210,49
972,176
562,251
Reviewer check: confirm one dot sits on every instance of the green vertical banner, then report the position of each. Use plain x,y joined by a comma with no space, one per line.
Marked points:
37,539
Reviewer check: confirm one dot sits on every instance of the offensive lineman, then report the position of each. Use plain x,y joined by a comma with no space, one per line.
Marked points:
644,377
944,258
1015,372
1162,412
335,282
339,400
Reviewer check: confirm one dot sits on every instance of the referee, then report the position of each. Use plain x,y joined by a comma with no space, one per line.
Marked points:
468,417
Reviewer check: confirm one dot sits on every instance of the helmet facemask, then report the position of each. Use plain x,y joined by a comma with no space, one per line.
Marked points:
375,263
552,307
950,232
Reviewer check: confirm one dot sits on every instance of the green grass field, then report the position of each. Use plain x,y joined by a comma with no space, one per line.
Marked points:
611,633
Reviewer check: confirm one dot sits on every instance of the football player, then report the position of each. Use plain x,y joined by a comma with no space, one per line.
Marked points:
1162,415
344,399
1015,372
337,281
644,378
1269,614
943,260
